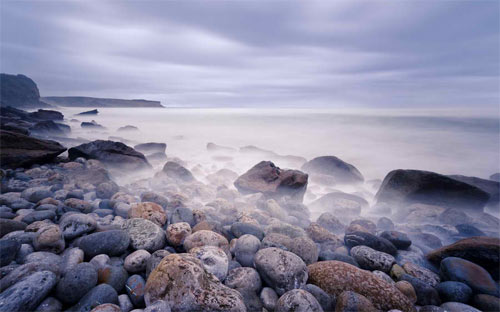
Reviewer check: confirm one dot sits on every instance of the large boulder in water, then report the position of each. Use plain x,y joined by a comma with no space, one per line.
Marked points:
342,172
343,205
489,186
46,114
416,186
20,150
113,154
272,181
182,281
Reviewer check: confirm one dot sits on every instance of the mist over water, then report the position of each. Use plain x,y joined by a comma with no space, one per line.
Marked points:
375,143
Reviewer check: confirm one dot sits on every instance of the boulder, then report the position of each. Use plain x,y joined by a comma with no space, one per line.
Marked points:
471,274
272,181
342,172
90,112
183,283
113,154
149,148
19,91
402,187
489,186
335,277
177,172
19,150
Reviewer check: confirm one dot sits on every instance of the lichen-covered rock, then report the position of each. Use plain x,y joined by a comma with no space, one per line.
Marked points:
149,211
298,300
334,277
281,269
181,280
144,234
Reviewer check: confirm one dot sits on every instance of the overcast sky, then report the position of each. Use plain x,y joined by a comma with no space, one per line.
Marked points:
405,54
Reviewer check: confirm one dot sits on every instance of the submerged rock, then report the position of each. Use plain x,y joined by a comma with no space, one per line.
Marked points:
341,171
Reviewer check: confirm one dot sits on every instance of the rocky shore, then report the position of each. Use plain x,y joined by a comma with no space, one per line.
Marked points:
104,226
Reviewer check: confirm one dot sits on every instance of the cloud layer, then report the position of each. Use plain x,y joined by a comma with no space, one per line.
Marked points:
252,53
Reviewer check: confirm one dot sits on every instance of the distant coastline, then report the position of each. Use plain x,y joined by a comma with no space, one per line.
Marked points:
84,101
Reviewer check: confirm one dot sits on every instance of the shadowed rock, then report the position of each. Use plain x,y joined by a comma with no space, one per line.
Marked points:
90,112
341,171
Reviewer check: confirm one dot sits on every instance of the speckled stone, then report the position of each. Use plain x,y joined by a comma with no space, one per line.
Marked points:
334,277
298,300
422,273
149,211
370,259
214,260
351,301
137,261
177,232
206,238
144,234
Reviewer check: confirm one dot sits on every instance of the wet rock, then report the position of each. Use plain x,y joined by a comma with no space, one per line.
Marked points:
422,273
135,289
214,260
370,259
137,261
176,233
370,240
464,271
149,211
36,194
272,181
326,301
486,302
454,291
352,301
334,277
245,249
19,150
415,186
39,216
407,289
113,243
98,295
195,289
155,259
206,238
106,190
76,283
454,216
8,251
28,293
49,238
77,224
426,294
144,234
281,269
50,304
398,239
177,172
297,300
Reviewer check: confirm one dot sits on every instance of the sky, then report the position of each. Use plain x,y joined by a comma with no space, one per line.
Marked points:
374,54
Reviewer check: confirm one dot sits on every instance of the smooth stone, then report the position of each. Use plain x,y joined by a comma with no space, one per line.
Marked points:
269,298
36,194
385,224
214,260
486,302
28,293
183,214
298,300
137,261
155,259
244,279
158,306
422,273
98,295
44,257
454,291
113,275
206,238
240,228
106,190
176,233
113,243
49,238
17,273
76,283
245,249
71,257
458,307
39,216
383,276
370,240
76,224
426,294
285,229
370,259
144,234
461,270
281,269
107,307
398,239
305,248
7,226
23,252
78,205
326,301
407,289
135,287
50,304
149,211
8,251
327,255
349,301
125,303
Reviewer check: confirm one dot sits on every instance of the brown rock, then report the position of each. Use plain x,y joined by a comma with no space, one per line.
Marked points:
335,277
351,301
407,289
150,211
206,238
176,233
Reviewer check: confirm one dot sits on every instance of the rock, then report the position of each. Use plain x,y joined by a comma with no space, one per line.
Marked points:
76,224
464,271
45,114
149,211
486,302
176,233
92,125
158,306
245,249
107,307
454,291
125,303
485,251
385,224
334,277
370,240
19,91
194,290
214,260
269,298
468,230
407,289
20,150
49,127
281,269
106,190
426,294
344,205
244,279
148,148
241,228
155,259
489,186
27,293
50,304
183,214
71,257
8,251
352,301
90,112
137,261
113,154
454,216
398,239
285,229
135,289
206,238
326,301
113,243
458,307
144,234
78,205
298,300
49,238
39,216
342,172
321,235
272,181
76,283
177,172
422,273
154,198
371,259
113,275
35,194
415,186
98,295
383,276
127,128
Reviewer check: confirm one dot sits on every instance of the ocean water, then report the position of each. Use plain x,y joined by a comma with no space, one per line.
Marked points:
376,142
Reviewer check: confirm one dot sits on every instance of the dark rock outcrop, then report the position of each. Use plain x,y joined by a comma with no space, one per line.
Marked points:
92,125
19,91
489,186
46,114
416,186
84,101
90,112
19,150
272,181
113,154
335,167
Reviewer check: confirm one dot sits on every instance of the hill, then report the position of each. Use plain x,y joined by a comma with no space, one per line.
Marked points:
83,101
